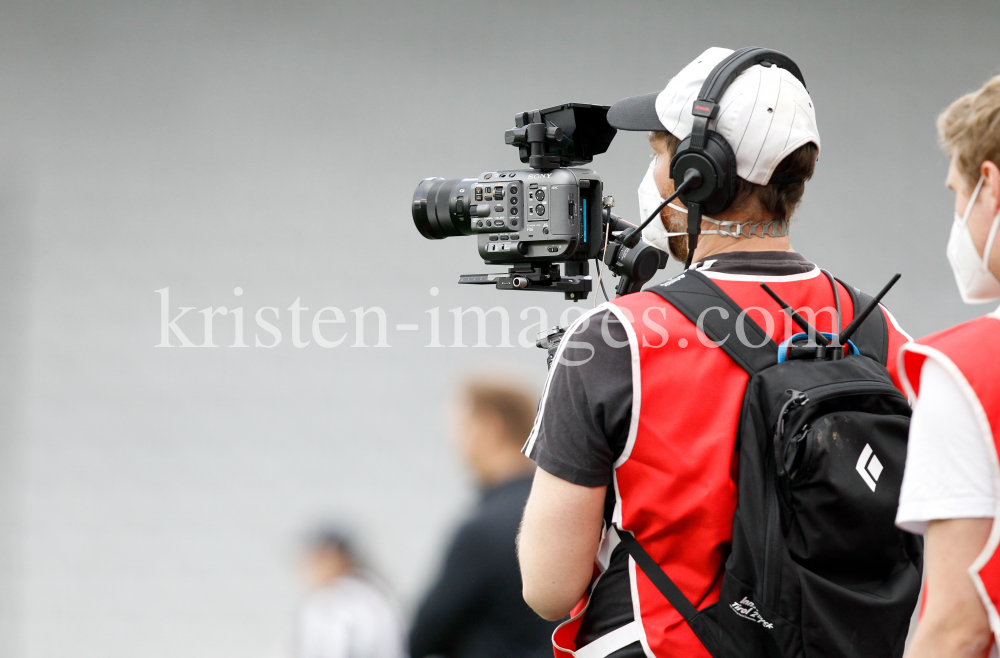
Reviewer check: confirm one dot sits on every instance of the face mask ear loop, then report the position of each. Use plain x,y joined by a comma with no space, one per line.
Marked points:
989,241
972,200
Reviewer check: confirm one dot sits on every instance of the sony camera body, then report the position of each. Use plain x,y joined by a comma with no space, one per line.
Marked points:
520,216
546,222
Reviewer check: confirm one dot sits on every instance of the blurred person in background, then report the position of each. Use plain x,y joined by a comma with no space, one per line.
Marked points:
475,608
347,614
949,491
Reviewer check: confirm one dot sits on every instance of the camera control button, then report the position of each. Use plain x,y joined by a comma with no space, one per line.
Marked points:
522,248
553,249
513,222
513,189
513,211
515,236
479,224
493,238
540,195
544,230
489,223
497,208
539,209
497,222
505,237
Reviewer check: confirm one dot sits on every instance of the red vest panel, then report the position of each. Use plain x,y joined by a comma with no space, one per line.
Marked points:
970,352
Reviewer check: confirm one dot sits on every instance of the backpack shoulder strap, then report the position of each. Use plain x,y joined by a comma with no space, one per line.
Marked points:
872,337
718,316
704,628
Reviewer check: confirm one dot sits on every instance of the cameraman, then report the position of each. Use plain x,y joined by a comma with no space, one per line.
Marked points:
637,425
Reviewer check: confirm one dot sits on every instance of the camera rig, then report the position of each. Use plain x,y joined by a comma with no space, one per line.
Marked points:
546,222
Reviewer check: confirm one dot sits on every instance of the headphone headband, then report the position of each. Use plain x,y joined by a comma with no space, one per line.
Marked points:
727,70
707,106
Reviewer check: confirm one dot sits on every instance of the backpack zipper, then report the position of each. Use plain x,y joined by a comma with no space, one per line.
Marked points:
830,390
798,399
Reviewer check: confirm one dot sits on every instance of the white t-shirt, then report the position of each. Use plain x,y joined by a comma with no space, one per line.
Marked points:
949,466
350,618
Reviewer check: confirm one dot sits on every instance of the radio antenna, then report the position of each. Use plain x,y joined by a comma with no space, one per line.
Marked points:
860,317
799,320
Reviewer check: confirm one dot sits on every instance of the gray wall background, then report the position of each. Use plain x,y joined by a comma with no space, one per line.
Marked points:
151,499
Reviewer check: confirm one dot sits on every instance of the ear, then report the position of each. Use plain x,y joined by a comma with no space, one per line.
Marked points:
990,194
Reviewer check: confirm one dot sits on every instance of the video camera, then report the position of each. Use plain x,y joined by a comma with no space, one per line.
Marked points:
546,222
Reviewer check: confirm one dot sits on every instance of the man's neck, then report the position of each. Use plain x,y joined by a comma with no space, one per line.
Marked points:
711,245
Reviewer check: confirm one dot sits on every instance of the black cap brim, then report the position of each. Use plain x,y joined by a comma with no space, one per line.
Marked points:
636,113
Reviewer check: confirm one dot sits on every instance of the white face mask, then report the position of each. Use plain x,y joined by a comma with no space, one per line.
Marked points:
655,233
976,282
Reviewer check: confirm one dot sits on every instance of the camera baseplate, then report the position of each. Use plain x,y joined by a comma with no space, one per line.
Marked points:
542,277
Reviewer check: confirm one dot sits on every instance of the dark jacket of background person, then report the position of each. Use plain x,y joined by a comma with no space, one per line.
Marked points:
475,608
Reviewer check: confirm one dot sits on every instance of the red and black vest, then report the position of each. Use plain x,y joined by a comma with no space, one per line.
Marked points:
675,481
970,352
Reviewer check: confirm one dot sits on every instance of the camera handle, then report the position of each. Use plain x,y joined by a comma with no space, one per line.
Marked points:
533,139
626,255
634,263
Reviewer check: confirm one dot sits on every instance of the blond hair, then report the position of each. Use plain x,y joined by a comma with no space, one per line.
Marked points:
970,129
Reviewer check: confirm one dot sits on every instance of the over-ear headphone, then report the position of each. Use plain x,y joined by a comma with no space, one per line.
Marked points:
706,151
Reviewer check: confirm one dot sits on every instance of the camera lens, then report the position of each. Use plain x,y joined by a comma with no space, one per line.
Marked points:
540,195
436,210
539,210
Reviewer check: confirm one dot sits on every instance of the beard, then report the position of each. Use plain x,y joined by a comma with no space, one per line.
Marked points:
676,222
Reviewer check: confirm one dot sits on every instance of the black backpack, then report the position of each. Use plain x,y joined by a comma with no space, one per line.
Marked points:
817,567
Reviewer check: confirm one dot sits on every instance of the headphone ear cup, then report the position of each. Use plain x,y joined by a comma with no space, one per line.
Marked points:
686,158
725,161
717,165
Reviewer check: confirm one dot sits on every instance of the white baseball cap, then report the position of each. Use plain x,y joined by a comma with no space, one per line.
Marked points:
765,114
